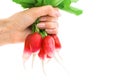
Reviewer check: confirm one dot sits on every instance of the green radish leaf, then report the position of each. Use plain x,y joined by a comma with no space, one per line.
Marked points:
62,4
25,1
39,3
65,5
74,0
53,2
73,10
25,5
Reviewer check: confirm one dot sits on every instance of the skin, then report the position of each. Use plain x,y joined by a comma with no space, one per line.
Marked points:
15,28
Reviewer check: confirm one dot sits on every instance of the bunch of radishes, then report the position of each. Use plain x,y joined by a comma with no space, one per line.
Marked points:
45,45
39,41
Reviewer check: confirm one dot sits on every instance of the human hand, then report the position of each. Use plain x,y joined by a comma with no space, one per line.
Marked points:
17,27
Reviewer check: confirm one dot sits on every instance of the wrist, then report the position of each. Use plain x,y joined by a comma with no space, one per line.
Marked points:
4,33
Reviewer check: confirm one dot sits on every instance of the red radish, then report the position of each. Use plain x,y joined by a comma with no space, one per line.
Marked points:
47,48
26,45
57,41
35,41
41,54
32,44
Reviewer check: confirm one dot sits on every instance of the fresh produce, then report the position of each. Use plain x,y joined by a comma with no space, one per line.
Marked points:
47,48
61,4
32,44
39,41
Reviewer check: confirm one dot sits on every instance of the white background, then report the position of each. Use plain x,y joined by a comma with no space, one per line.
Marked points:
90,45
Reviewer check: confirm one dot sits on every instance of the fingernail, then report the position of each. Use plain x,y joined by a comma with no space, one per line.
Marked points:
49,30
57,13
41,25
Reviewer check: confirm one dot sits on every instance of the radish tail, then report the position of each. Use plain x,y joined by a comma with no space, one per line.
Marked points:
33,59
58,55
60,63
43,68
24,64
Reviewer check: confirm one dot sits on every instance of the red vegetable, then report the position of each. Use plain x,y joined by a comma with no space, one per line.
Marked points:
41,54
47,48
57,41
32,44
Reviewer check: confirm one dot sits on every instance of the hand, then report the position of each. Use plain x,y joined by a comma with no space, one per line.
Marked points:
17,27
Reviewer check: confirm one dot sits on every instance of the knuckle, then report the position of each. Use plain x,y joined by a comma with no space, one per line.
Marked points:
54,19
49,8
52,25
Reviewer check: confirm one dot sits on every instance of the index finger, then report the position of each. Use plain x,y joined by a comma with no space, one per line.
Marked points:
43,11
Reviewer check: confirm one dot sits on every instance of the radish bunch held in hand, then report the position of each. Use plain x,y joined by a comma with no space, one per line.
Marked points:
39,41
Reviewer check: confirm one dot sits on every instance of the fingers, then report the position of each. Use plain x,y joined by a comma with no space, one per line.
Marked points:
48,10
50,27
49,23
42,11
48,18
43,25
52,31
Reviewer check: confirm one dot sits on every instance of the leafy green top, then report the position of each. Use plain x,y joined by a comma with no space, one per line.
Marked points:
61,4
